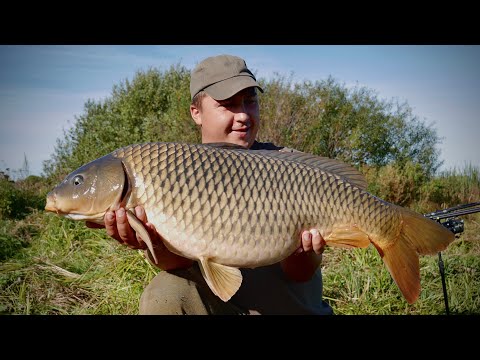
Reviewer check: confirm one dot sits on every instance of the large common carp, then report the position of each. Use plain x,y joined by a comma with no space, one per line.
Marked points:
231,208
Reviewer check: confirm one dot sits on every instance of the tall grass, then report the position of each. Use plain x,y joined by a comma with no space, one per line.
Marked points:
454,186
71,269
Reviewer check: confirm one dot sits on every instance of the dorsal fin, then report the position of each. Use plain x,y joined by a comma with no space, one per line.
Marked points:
333,166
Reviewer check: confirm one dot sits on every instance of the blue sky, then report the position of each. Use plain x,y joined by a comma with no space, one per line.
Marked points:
43,88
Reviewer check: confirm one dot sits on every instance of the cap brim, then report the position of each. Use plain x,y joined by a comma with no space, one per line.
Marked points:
229,87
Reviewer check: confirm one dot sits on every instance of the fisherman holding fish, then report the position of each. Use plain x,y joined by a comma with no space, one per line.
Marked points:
225,107
238,226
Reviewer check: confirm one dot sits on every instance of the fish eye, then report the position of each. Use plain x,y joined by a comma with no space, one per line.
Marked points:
77,180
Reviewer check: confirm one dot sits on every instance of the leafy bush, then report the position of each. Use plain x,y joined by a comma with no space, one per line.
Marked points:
324,118
396,182
18,199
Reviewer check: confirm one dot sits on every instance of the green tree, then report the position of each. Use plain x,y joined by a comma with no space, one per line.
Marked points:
350,124
324,118
154,106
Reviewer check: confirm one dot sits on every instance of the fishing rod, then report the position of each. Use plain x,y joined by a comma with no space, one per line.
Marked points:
448,218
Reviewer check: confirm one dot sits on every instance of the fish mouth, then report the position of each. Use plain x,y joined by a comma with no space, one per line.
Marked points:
51,208
97,217
50,205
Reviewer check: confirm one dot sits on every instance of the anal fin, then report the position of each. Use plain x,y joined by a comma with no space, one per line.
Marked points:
348,236
223,280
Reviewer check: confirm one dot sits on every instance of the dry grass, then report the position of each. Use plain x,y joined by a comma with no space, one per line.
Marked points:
70,269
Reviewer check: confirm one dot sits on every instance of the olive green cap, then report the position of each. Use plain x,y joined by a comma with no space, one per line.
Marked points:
221,77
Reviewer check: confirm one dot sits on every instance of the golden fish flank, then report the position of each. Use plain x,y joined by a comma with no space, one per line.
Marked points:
231,208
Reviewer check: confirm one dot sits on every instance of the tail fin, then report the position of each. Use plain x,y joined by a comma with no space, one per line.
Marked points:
418,236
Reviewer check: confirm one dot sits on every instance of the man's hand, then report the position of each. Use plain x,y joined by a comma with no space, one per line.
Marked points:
301,265
312,240
118,227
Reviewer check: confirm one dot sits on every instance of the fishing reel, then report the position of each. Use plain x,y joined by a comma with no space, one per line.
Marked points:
449,217
456,226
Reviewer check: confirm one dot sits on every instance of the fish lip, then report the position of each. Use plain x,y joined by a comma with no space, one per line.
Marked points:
98,217
50,208
50,205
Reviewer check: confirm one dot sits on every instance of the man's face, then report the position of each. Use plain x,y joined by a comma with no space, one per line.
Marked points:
234,120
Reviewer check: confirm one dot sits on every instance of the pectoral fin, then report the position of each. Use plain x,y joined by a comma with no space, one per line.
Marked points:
140,229
223,280
348,236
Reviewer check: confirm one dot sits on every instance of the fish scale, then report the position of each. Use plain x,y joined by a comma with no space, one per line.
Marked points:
229,208
216,172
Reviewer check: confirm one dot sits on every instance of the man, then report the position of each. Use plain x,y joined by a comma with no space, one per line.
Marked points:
225,107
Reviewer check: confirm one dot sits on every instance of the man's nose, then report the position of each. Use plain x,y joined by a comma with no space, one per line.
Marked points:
242,116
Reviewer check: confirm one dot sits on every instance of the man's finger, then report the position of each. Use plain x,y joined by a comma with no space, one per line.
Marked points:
307,241
124,229
140,214
110,226
318,243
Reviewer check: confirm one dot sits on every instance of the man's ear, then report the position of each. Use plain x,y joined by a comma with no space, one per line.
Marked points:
196,116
